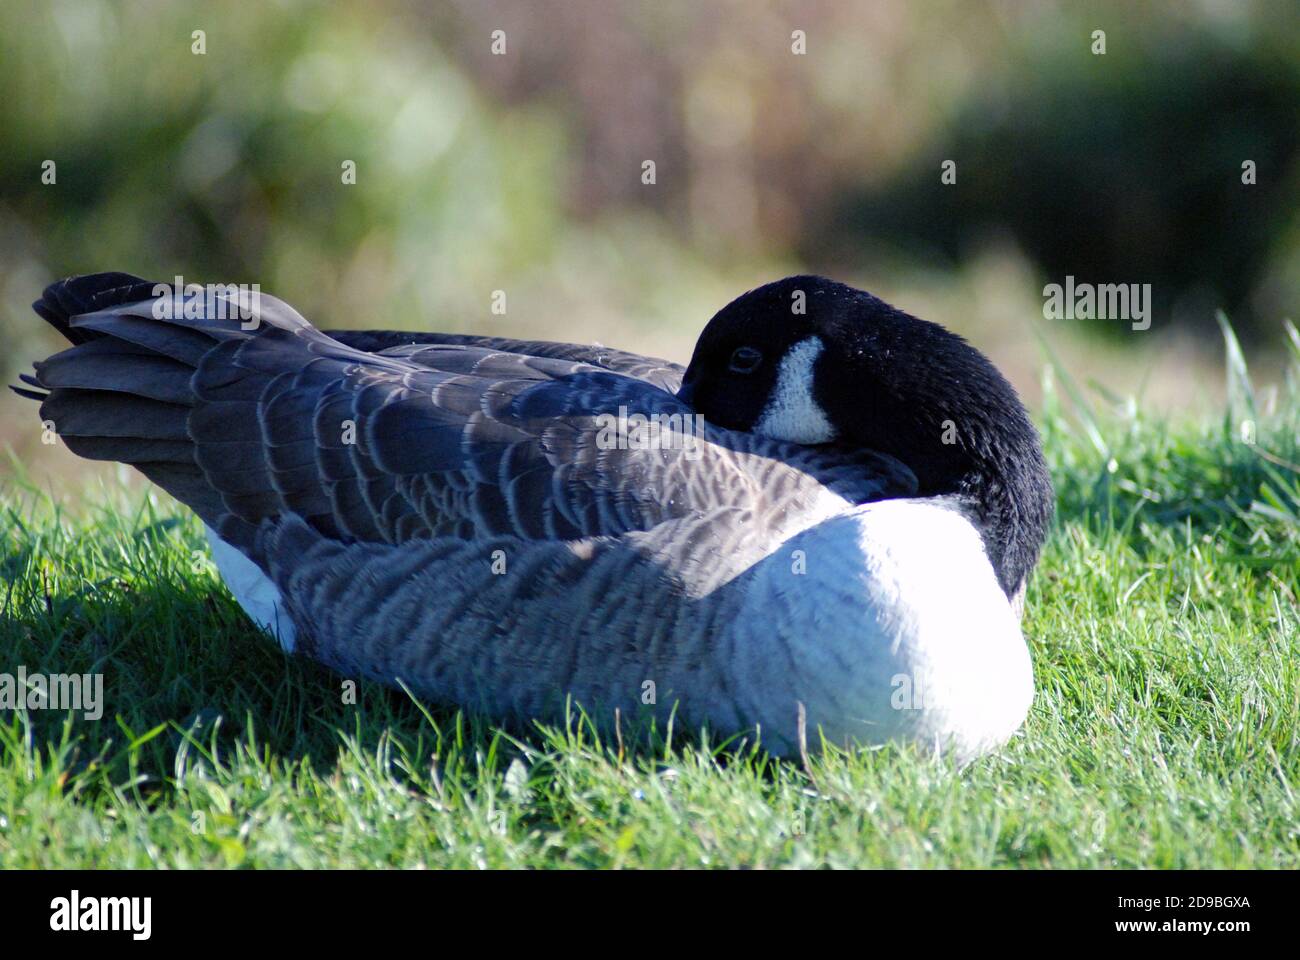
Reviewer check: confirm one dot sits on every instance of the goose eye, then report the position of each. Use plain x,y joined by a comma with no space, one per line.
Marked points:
745,360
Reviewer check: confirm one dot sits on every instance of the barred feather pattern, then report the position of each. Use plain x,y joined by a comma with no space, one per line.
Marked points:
376,477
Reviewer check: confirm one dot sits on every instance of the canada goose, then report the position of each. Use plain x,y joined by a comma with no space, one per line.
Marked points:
846,536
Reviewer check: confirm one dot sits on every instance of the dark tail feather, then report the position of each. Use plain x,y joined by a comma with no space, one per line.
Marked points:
76,295
176,394
31,381
123,390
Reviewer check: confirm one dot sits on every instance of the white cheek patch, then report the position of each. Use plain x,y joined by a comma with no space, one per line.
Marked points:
791,413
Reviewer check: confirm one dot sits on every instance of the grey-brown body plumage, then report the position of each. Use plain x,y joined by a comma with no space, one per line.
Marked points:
437,509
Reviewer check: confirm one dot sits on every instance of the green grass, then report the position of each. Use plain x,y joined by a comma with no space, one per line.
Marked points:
1162,621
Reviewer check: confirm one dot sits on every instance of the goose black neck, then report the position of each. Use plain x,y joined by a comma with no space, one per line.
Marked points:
1010,500
924,396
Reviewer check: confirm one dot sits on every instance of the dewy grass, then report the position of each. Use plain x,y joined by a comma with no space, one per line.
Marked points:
1162,621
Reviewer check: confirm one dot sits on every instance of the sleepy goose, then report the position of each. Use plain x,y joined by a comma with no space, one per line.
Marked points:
846,531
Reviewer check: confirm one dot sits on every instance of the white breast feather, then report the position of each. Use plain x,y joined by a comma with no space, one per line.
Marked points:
897,629
254,590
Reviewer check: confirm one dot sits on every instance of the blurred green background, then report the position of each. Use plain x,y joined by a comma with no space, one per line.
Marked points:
522,171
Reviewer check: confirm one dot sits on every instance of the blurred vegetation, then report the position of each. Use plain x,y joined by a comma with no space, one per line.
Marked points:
522,172
1124,171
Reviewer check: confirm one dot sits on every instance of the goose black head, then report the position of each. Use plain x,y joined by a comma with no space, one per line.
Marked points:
809,360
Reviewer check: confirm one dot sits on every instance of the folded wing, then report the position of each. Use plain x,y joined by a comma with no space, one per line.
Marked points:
385,437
